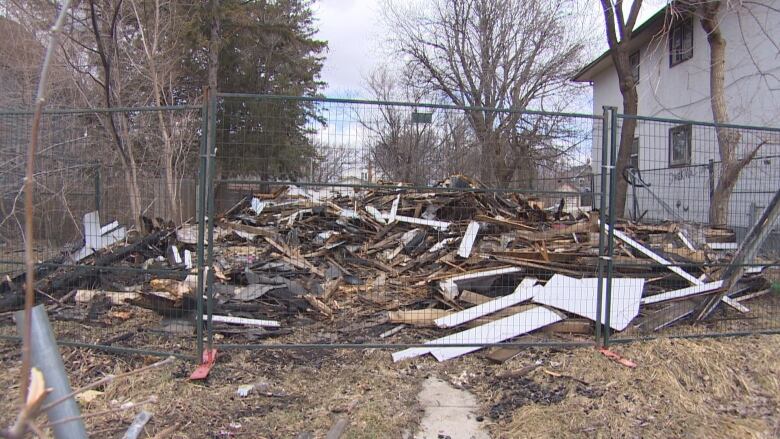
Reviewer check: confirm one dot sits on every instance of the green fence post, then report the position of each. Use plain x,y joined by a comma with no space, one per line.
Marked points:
210,168
602,218
611,221
200,202
97,189
711,179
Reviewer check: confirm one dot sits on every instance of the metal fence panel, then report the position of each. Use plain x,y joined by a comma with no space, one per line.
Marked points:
108,278
674,185
371,224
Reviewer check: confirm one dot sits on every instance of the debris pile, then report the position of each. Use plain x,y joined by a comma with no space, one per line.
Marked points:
474,265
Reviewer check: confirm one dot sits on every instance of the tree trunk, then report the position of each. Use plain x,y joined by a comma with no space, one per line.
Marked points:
628,128
728,139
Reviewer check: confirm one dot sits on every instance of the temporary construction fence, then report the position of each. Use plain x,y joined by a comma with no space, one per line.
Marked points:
422,228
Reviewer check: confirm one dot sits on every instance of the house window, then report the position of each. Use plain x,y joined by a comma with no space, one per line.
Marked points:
681,42
633,59
680,146
634,161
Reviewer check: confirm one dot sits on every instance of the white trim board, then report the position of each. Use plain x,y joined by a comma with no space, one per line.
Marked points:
96,237
579,296
649,253
478,274
439,225
723,245
243,321
523,292
450,288
684,292
655,256
469,237
393,209
493,332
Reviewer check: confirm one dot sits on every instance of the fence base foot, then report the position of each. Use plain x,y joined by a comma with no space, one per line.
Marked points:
207,362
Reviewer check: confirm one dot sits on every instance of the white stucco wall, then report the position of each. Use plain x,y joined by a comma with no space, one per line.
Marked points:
682,92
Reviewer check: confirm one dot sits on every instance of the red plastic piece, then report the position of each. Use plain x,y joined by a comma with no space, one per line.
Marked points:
207,362
617,358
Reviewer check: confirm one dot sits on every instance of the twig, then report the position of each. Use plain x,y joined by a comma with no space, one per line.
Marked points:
121,408
106,379
29,257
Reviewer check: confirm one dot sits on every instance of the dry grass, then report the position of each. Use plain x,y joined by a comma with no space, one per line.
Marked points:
314,386
682,388
723,388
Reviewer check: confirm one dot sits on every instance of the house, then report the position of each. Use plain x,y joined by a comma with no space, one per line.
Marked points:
670,57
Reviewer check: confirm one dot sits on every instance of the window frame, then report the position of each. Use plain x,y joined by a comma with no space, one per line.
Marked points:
631,161
678,31
635,67
687,130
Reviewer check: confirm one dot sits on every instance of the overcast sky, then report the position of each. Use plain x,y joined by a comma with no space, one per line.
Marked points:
355,34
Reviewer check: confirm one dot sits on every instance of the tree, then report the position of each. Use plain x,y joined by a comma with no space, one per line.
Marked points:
262,47
490,54
710,14
619,29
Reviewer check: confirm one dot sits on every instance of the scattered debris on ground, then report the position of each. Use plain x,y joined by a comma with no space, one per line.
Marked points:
394,264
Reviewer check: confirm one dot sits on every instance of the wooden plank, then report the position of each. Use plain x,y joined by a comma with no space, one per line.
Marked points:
662,318
417,317
502,355
473,298
570,326
243,321
439,225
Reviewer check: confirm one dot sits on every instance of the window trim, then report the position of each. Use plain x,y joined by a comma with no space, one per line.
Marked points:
688,130
684,24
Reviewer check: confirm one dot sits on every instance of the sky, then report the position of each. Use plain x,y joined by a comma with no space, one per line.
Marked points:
354,33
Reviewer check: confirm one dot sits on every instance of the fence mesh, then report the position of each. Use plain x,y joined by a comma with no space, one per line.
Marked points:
677,182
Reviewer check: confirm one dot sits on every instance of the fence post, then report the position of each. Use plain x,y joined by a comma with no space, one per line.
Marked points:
711,179
200,202
605,130
97,189
611,220
211,153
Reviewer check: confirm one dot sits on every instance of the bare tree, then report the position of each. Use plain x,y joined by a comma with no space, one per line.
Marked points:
403,149
619,34
156,23
489,54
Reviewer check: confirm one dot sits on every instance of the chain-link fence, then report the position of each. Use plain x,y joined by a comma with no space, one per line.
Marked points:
271,221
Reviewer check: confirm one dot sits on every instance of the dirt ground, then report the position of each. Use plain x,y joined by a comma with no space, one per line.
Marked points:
725,388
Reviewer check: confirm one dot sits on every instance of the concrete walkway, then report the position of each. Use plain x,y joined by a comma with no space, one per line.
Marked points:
449,413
